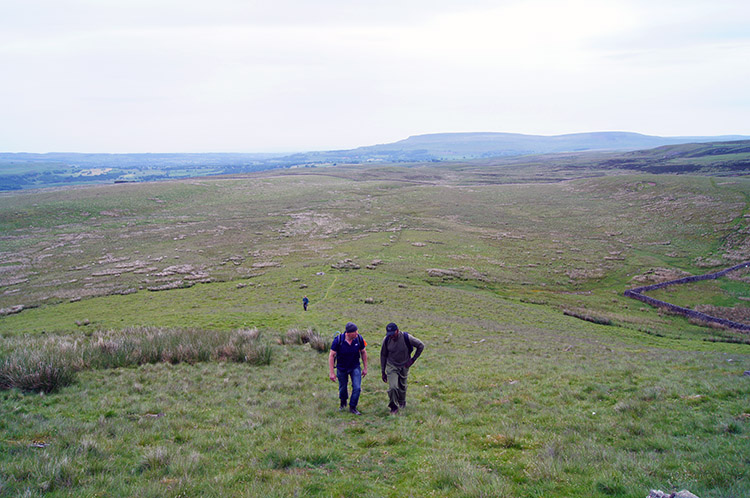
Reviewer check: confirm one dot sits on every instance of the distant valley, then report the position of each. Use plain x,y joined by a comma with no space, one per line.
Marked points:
28,170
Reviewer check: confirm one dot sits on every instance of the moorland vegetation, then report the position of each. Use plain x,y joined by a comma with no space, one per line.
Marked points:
187,365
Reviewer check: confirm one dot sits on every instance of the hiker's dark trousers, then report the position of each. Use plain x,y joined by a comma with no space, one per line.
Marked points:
343,375
396,386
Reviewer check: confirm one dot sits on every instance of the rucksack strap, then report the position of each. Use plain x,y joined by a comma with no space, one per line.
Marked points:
408,343
338,340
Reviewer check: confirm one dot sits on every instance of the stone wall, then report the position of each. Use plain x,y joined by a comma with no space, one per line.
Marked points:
637,293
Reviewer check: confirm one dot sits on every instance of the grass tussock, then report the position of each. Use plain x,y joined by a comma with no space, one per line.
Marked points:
297,336
42,370
49,364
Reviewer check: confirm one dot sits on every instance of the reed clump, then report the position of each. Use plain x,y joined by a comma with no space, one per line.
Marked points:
45,365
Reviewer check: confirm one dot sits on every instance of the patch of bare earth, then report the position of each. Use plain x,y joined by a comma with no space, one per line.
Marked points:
313,224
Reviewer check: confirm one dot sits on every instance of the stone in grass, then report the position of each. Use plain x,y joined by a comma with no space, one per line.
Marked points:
661,494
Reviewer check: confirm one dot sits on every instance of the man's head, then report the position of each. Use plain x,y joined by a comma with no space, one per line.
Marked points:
350,329
391,330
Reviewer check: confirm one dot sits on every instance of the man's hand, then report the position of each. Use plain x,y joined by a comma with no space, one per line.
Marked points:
364,372
385,378
409,363
332,376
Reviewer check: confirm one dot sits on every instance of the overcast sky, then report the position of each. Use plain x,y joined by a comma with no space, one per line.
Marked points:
290,75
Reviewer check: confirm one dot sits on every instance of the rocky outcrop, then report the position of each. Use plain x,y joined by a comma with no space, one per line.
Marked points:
346,264
12,310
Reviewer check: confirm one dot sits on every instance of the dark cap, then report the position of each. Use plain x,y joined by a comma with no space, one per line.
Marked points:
350,327
391,329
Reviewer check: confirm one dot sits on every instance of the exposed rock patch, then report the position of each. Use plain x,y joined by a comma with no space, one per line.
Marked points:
179,284
181,270
12,310
346,264
13,281
443,273
267,264
464,272
374,264
659,275
661,494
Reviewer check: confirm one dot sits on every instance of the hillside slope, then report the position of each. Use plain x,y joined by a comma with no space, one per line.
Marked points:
703,158
539,378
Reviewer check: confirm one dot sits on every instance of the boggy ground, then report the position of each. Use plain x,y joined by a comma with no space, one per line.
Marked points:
511,398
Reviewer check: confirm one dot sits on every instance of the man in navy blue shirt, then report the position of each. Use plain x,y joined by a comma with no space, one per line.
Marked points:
345,351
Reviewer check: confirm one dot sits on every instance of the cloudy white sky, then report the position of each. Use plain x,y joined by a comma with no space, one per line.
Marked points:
288,75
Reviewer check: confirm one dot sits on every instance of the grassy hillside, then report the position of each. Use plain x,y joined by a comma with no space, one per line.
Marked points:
698,158
515,394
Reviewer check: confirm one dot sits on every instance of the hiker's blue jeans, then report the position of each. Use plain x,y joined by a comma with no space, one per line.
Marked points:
343,375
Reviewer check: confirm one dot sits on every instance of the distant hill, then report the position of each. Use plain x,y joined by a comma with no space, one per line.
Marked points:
457,146
26,170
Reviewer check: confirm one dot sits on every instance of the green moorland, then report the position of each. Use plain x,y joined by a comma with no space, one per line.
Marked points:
166,319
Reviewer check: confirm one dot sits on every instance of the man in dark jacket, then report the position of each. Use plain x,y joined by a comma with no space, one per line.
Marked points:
346,350
395,360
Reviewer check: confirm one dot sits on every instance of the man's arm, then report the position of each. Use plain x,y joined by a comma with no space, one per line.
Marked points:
331,357
418,348
364,362
383,356
383,360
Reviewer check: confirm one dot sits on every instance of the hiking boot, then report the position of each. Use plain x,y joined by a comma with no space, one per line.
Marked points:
401,407
342,408
354,411
394,411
